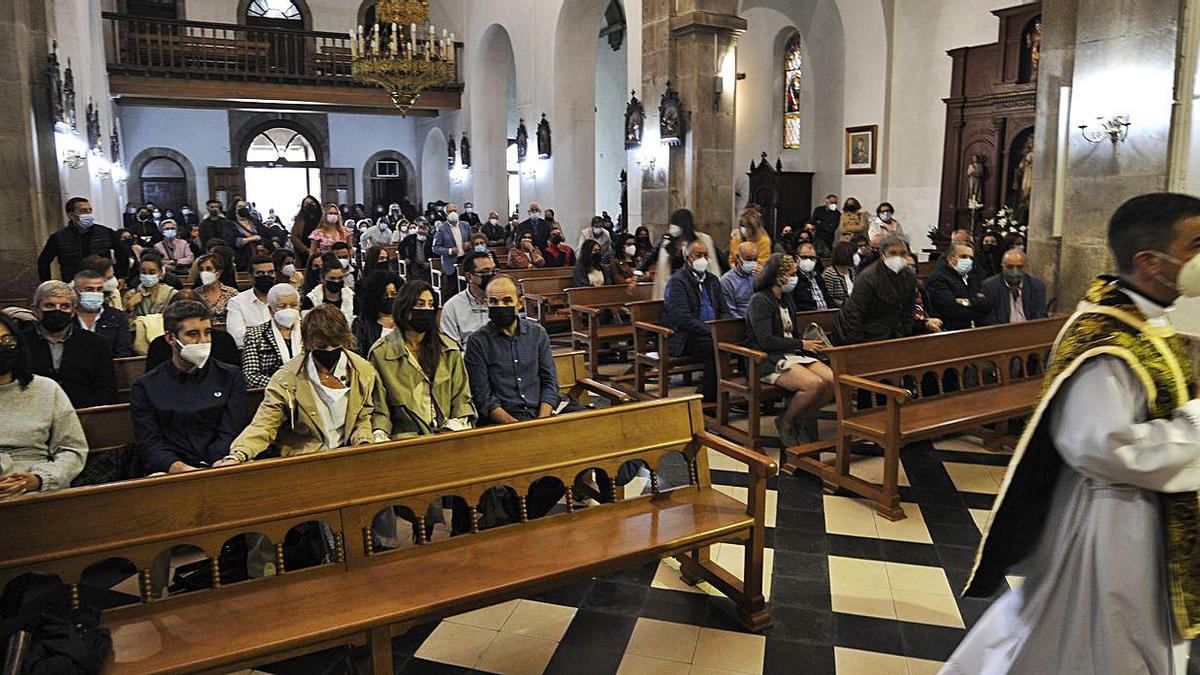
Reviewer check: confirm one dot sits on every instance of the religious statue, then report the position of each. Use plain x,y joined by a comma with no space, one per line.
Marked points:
56,84
1024,173
464,151
793,94
976,172
635,120
543,138
670,116
522,141
69,97
1033,42
451,153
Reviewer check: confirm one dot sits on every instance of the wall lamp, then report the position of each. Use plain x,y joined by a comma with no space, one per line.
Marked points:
1115,129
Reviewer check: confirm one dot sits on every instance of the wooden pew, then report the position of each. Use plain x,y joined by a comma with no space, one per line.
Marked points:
650,357
596,320
926,387
546,301
128,370
735,360
365,596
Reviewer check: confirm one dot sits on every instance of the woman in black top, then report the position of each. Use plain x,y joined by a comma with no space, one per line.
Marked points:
771,327
591,268
375,312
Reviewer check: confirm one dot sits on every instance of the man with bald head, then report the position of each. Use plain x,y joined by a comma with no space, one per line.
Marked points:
692,299
737,285
1015,295
954,294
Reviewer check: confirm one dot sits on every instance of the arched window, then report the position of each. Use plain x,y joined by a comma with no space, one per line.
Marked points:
281,146
284,10
164,183
792,79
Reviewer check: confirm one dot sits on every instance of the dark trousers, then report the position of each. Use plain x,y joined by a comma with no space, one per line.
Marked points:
701,349
449,285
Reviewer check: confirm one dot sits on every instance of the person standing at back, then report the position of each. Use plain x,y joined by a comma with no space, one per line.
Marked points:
451,241
78,239
827,217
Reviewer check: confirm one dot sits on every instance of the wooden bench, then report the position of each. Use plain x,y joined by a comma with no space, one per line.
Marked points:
596,321
128,370
926,387
364,596
546,301
650,357
735,361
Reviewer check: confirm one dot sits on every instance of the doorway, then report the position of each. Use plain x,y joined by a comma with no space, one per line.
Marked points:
281,168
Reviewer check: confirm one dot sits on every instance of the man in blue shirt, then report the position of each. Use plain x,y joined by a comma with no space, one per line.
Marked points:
692,299
189,409
737,285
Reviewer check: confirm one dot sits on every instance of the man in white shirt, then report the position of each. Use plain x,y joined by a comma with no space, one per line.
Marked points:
249,308
467,312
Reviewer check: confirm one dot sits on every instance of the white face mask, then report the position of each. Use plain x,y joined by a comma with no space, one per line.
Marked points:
208,278
345,262
289,271
1188,281
111,285
674,230
857,259
630,251
286,318
196,354
452,216
895,263
493,222
807,265
700,265
833,207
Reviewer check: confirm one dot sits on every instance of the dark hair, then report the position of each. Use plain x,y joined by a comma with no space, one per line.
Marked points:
371,261
211,202
371,293
330,262
96,263
177,312
683,218
279,256
843,254
587,253
431,344
20,372
468,260
339,245
883,204
641,229
619,249
262,260
1147,223
154,257
72,202
830,196
597,221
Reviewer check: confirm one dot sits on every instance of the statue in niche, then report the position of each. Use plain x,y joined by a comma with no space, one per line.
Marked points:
976,173
69,97
635,120
522,141
464,150
56,84
543,138
1024,173
1033,42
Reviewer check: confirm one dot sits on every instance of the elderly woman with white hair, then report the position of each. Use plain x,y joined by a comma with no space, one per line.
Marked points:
270,345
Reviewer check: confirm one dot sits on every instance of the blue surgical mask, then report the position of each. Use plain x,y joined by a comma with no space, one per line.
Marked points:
87,220
964,266
149,280
168,234
91,301
481,248
748,266
790,284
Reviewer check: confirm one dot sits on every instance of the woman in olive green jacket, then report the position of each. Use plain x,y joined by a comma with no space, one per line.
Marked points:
422,370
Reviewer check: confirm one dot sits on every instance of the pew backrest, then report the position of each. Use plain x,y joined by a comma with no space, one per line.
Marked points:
128,370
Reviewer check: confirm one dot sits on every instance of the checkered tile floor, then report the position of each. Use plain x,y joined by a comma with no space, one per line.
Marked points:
850,592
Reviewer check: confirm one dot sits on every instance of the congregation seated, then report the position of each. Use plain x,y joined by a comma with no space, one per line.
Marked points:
881,306
92,315
467,312
375,259
416,250
274,342
810,294
737,285
151,294
374,318
345,258
207,273
590,270
224,349
78,360
694,297
884,223
421,370
523,255
249,308
322,399
187,410
112,284
332,288
1014,294
176,251
954,293
751,231
625,260
839,276
496,230
597,232
379,234
989,255
792,362
854,221
284,262
479,244
43,447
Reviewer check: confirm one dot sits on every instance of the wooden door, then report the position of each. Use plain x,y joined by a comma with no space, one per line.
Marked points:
337,186
224,183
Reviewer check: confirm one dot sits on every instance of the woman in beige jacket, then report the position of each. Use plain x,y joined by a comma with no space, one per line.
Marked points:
854,221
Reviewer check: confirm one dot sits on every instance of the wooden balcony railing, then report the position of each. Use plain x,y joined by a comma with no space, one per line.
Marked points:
221,51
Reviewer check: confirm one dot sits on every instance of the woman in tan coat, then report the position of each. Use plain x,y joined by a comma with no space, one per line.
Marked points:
854,220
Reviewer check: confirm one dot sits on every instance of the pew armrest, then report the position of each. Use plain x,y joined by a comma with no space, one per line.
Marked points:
653,328
760,465
752,354
901,395
613,394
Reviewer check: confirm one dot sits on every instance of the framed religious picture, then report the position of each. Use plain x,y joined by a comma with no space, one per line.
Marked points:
635,120
861,144
670,117
522,141
543,138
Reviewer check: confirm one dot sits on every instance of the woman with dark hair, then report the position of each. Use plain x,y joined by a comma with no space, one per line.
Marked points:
374,317
207,272
226,254
332,289
285,268
590,270
43,447
642,239
839,278
990,254
422,371
791,363
312,274
626,256
378,259
307,219
1014,240
668,256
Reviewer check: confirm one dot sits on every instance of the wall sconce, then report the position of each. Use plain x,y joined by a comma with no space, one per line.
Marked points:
1115,129
72,159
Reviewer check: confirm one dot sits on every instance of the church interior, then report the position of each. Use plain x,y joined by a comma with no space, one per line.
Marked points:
693,530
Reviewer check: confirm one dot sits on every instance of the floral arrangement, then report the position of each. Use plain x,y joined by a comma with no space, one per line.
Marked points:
1005,222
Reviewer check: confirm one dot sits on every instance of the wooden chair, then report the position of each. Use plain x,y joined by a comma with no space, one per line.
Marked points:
362,595
896,392
596,321
546,302
735,361
650,357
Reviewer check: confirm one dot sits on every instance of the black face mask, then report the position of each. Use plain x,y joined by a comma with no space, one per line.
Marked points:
327,358
263,284
334,286
485,278
244,213
556,239
502,317
56,320
214,213
9,357
422,320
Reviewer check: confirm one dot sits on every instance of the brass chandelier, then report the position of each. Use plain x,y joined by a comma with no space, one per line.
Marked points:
402,52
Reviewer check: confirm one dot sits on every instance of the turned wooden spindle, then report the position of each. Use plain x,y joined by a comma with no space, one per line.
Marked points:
339,550
145,586
654,482
421,536
475,516
524,510
279,567
74,596
570,497
214,563
368,541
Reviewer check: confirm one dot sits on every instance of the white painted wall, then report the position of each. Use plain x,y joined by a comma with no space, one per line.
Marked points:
612,94
354,138
205,144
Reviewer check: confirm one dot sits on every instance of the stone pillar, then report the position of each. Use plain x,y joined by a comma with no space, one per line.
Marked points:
1118,57
656,70
29,187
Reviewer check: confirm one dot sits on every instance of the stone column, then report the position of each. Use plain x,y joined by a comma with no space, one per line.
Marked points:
656,70
1118,57
29,188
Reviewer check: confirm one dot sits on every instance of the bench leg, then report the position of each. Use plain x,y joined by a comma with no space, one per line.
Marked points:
639,377
754,417
888,505
381,651
841,462
664,377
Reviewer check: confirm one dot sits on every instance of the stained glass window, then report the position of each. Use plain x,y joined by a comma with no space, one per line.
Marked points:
791,95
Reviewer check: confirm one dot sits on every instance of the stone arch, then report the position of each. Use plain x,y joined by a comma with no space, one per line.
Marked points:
133,184
306,15
493,70
410,175
435,174
243,135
